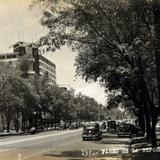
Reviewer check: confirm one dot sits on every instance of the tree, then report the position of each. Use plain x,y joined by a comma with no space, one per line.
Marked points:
118,45
60,105
40,88
24,65
8,99
14,93
86,109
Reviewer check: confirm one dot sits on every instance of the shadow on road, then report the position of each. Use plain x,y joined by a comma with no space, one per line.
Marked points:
77,155
111,141
146,156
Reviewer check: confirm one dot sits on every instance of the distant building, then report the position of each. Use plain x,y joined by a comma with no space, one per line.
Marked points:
38,64
9,57
65,86
46,66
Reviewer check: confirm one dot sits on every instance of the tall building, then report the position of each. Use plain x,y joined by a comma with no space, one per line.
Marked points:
9,57
38,64
46,66
31,50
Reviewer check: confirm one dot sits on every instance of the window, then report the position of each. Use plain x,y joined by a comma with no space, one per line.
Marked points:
11,56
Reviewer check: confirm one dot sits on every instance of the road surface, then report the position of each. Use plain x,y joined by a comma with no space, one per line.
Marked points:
60,145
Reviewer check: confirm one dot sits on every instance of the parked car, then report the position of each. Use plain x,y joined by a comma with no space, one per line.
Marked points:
32,130
111,126
158,127
104,127
127,129
92,132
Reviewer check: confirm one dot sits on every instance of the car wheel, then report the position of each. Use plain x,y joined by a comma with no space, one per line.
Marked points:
131,135
84,139
99,138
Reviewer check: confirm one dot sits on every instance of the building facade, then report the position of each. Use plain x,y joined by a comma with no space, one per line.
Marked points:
38,64
47,67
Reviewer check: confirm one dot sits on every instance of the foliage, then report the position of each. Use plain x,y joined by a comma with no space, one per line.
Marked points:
14,92
118,44
24,65
39,102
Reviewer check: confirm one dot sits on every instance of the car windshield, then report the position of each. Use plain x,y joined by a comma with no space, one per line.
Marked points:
89,128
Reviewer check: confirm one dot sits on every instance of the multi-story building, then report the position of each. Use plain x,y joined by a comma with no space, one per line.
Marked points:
46,66
9,57
31,51
38,64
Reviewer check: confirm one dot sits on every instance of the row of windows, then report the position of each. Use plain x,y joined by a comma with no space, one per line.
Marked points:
47,61
49,66
49,74
52,81
43,65
8,56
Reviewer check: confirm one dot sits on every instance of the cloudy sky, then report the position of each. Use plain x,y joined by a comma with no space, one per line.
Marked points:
19,23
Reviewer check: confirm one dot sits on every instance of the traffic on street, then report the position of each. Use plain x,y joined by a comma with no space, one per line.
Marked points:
92,140
67,144
80,80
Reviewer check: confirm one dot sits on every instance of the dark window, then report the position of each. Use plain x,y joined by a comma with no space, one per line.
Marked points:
11,56
2,56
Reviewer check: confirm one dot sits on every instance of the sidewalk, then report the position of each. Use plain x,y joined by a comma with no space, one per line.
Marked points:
141,142
14,133
11,133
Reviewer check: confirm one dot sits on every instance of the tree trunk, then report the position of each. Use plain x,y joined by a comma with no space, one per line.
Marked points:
156,13
17,122
148,126
141,122
146,110
137,101
154,122
153,136
3,123
149,107
8,122
23,122
51,123
55,125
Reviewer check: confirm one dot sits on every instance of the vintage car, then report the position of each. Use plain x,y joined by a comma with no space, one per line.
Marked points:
32,130
92,132
158,127
104,127
127,129
111,126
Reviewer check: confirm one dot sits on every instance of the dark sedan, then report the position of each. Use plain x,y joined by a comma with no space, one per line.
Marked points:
92,132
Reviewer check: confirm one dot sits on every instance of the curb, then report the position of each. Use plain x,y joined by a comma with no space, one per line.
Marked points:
12,134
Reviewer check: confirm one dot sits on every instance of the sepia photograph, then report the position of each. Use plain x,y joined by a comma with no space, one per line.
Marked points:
79,79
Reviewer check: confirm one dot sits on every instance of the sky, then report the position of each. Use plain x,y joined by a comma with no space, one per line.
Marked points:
18,23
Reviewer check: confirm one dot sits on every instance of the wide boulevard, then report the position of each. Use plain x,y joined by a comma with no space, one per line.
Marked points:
60,145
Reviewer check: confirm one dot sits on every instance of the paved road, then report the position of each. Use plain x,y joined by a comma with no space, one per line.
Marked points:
59,145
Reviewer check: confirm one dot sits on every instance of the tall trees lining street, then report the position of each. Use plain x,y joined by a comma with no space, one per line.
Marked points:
34,102
118,45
